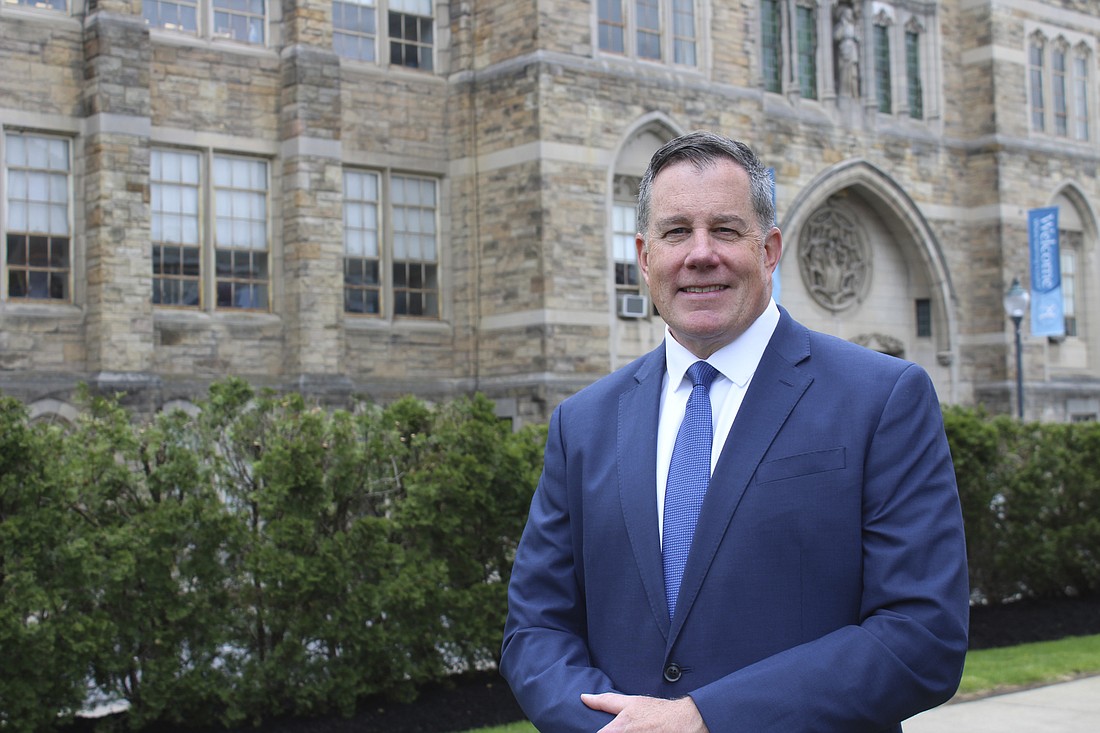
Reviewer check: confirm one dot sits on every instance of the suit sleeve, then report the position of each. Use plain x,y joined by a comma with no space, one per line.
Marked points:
907,653
545,656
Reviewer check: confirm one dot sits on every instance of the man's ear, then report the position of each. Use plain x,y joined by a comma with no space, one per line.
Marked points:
643,255
773,248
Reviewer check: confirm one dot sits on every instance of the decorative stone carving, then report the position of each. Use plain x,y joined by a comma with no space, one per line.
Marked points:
834,261
881,342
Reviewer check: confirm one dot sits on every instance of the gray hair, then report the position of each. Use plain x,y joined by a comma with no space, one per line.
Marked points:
703,149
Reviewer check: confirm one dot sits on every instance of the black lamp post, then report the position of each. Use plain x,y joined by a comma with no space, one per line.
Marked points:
1015,301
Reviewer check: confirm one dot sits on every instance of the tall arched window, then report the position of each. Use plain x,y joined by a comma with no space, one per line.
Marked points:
1059,71
1035,52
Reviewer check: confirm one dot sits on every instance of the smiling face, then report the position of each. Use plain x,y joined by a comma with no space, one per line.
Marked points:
708,265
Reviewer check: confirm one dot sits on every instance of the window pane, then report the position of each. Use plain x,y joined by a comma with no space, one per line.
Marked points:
418,7
1080,98
924,317
362,289
683,31
1069,285
177,15
883,91
611,27
50,4
1038,113
912,75
354,25
648,20
807,52
1058,93
240,204
37,239
414,269
411,39
240,20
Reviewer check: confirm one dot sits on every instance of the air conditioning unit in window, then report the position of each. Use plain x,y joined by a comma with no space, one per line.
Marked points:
633,306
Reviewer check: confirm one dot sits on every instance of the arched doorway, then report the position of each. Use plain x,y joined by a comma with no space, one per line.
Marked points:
860,262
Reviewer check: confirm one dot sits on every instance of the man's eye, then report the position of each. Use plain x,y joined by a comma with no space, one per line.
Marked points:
677,233
727,233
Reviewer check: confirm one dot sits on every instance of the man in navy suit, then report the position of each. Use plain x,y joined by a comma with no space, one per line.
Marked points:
826,585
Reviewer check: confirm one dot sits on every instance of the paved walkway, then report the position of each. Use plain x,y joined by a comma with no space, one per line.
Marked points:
1068,707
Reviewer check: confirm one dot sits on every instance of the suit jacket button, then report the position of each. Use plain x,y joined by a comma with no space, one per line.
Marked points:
673,673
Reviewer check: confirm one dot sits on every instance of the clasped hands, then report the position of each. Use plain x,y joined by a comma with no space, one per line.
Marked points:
638,714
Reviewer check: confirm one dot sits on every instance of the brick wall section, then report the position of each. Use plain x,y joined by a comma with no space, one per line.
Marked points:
216,89
41,66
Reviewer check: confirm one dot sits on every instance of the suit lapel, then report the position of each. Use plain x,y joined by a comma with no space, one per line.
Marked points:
776,388
636,457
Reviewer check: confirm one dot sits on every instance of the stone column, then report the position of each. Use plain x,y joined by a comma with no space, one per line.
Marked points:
312,197
115,167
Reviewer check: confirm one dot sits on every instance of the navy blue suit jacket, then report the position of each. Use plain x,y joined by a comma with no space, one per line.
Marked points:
826,589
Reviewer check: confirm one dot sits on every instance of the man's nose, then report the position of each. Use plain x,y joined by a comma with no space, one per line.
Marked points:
702,249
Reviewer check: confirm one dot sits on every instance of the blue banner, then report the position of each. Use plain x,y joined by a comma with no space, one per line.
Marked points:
1047,318
777,287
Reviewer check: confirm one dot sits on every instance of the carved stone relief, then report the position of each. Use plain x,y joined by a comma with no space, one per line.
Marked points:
881,342
834,260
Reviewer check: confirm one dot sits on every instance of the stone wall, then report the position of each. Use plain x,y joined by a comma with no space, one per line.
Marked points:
520,124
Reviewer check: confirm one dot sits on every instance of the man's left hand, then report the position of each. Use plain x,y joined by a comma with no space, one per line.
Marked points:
636,714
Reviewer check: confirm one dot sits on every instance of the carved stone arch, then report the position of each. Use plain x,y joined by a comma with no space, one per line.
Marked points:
631,156
1038,38
862,182
186,405
52,411
882,343
877,185
657,127
913,25
1073,192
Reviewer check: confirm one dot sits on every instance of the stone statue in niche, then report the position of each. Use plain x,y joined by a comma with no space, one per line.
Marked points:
833,260
846,40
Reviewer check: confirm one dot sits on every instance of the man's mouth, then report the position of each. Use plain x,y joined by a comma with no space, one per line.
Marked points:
704,289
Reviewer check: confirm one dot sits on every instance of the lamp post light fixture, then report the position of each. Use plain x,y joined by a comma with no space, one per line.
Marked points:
1016,301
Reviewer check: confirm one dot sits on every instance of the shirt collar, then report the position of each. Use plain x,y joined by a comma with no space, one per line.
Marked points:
736,361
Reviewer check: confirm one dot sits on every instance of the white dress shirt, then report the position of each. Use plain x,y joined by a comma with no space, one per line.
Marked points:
736,363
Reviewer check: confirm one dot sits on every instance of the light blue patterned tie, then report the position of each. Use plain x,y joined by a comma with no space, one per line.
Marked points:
688,476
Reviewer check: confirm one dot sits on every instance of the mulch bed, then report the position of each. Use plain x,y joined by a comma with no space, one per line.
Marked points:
483,700
1010,624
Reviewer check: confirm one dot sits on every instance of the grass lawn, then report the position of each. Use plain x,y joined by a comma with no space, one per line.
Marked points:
991,670
995,670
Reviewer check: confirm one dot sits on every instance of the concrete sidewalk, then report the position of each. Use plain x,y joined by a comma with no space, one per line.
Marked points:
1067,707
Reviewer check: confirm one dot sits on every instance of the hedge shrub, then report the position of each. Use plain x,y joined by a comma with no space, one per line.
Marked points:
1031,502
266,557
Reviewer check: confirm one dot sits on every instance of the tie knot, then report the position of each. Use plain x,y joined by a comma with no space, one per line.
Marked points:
702,374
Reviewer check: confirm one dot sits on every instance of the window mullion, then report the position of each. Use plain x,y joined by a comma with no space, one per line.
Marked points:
385,249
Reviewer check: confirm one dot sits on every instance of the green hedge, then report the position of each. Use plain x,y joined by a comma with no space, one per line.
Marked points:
1031,502
266,557
262,558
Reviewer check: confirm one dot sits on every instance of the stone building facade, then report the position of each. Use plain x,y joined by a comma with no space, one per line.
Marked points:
375,197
